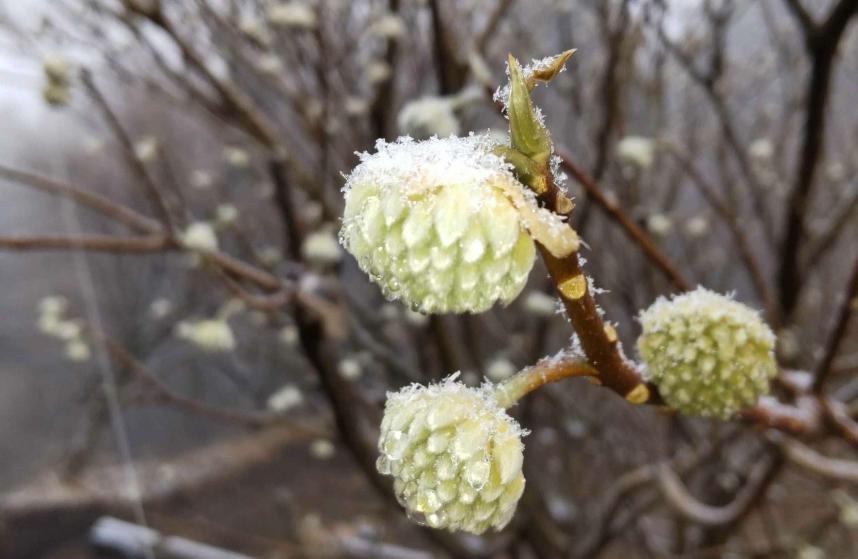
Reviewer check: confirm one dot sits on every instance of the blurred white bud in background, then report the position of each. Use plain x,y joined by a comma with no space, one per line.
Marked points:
637,150
146,149
322,449
540,304
199,236
212,335
254,28
427,117
500,368
697,226
287,397
378,71
270,255
350,368
236,157
226,214
53,305
355,106
270,64
321,248
388,26
289,335
761,149
659,224
57,72
201,179
160,307
292,14
415,318
389,311
77,350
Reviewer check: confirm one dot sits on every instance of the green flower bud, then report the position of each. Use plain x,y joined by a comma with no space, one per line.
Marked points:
443,224
454,454
708,354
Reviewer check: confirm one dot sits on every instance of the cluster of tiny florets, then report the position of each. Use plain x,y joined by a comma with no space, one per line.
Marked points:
433,224
708,354
454,454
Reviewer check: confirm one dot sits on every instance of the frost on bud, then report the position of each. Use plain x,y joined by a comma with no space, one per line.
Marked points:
443,224
454,454
708,354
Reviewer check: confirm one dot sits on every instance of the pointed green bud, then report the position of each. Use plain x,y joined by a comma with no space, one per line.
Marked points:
527,133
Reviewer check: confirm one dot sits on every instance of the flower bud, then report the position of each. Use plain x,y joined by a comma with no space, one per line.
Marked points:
454,454
427,117
708,354
443,224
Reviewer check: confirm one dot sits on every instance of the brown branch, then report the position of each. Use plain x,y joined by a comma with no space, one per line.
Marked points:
821,43
121,213
635,233
682,501
545,371
598,339
807,458
847,308
743,245
708,82
97,243
243,417
152,190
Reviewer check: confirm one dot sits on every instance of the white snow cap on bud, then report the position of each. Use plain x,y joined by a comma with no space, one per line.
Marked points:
708,354
454,454
636,150
200,236
443,224
427,117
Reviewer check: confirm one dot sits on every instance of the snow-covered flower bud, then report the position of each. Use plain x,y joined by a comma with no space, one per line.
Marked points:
443,224
454,454
708,354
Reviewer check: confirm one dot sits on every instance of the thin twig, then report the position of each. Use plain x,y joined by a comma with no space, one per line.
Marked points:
635,233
